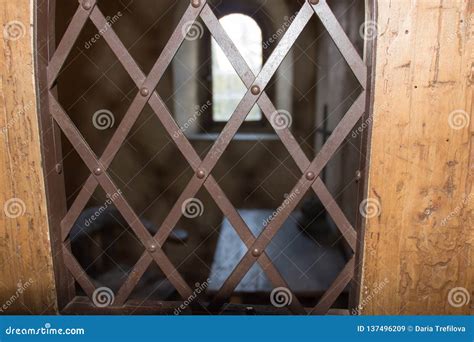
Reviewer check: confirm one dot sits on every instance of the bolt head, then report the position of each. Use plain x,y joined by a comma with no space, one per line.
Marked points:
256,252
358,175
314,2
152,248
98,171
144,92
255,90
310,176
59,168
86,4
195,3
200,174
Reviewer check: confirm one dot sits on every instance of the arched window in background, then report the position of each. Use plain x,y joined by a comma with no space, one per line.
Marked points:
227,88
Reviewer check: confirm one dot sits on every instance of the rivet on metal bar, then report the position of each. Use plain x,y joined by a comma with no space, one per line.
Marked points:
59,168
255,90
314,2
152,248
196,3
98,171
144,92
201,174
256,252
86,4
310,176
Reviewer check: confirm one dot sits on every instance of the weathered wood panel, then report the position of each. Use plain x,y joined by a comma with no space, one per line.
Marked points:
420,245
26,276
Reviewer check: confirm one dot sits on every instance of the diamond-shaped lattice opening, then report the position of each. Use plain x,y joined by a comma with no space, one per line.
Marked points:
103,243
191,246
342,175
186,87
251,183
309,251
101,95
143,172
198,245
317,102
145,38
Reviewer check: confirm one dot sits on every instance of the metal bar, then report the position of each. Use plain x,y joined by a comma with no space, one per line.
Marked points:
216,151
236,121
89,158
285,135
133,112
334,141
342,42
78,272
336,288
67,42
203,168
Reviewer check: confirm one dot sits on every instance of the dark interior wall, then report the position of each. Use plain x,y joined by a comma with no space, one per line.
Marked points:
336,90
149,170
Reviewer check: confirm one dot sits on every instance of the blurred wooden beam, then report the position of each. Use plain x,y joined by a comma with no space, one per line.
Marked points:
26,270
420,246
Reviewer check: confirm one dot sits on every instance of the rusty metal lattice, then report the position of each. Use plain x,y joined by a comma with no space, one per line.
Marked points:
256,84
